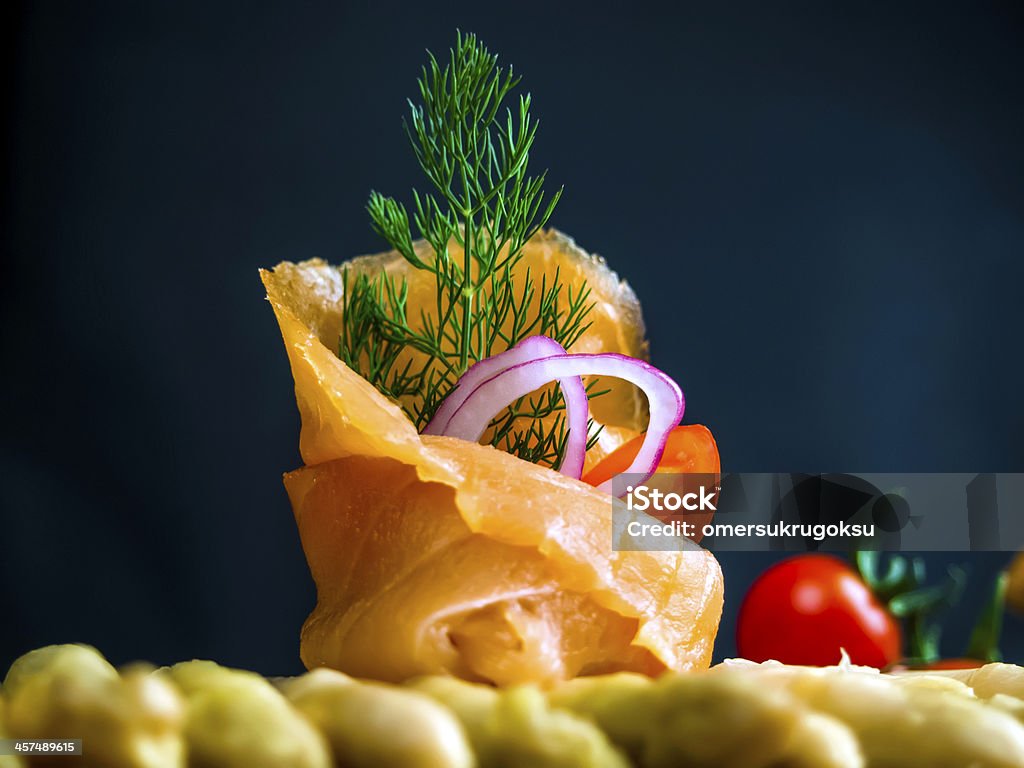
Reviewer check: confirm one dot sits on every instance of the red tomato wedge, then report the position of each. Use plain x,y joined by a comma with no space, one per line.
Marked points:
690,448
953,664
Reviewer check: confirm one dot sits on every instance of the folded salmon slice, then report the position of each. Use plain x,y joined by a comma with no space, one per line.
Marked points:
433,554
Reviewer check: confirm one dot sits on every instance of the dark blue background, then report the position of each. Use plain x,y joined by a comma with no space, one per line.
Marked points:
822,210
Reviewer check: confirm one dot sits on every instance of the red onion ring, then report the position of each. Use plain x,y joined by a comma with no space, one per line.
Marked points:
665,399
529,349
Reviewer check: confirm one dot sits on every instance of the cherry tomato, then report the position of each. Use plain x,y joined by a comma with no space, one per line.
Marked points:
805,609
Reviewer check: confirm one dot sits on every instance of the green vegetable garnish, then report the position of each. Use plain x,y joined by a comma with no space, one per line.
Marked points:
474,152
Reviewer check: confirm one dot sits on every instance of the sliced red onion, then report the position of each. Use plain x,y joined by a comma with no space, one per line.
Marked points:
665,399
529,349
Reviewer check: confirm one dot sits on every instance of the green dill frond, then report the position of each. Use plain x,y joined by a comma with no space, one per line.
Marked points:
472,138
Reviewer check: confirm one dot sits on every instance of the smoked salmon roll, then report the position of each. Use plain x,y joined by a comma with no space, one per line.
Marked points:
438,555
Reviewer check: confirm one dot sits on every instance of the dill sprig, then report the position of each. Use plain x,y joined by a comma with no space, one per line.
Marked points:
483,208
